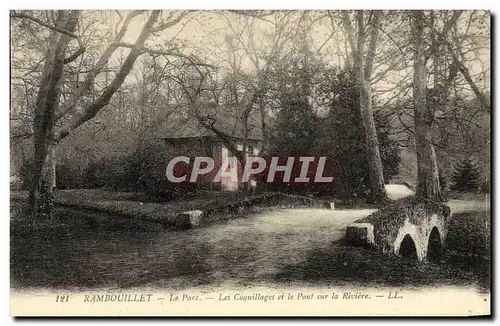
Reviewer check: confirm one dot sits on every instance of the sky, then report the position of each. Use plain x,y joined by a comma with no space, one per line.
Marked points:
204,32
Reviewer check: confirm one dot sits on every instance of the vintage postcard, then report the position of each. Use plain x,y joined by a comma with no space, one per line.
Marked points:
250,163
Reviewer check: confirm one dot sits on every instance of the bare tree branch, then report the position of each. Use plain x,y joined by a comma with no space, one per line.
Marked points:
38,21
349,30
90,111
483,99
72,57
96,69
453,20
172,53
165,25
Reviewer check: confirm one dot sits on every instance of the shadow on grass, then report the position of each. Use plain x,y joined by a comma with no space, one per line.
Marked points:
465,262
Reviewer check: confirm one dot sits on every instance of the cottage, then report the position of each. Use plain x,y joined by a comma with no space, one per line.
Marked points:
188,137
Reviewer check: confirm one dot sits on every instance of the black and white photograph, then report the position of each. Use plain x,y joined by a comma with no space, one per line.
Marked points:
250,162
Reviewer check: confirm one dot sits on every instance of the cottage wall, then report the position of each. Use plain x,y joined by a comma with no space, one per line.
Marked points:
253,149
210,147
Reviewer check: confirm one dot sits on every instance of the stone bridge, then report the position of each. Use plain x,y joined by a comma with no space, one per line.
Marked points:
410,227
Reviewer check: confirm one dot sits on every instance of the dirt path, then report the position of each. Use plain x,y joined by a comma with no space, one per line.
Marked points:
239,252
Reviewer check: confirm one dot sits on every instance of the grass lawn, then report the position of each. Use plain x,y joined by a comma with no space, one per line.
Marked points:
129,204
467,195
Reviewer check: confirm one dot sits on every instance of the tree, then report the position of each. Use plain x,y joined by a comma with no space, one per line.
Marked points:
319,114
459,121
428,175
259,50
458,47
364,68
53,120
467,176
348,147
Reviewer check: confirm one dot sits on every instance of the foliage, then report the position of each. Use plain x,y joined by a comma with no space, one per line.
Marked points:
139,170
348,141
330,126
293,80
467,176
388,219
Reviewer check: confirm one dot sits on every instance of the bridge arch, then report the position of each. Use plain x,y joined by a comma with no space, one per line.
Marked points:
408,249
434,245
408,227
427,239
408,235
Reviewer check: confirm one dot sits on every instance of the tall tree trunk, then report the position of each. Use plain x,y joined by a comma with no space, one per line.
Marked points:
47,184
246,113
428,177
364,71
41,189
440,90
45,113
265,135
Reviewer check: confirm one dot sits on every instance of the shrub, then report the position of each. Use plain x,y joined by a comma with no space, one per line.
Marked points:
466,176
